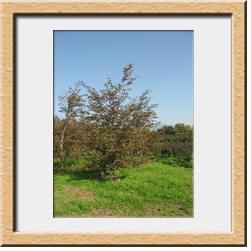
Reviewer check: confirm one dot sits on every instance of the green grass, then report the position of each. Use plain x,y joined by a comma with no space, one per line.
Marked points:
152,190
69,162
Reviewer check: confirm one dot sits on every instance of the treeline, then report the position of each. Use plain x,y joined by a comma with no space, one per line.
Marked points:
178,129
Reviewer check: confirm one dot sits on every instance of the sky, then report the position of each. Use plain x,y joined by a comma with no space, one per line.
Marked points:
163,59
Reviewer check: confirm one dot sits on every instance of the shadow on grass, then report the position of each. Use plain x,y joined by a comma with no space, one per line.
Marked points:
69,162
93,174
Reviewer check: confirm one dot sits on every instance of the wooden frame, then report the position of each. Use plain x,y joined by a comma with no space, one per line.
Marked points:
237,9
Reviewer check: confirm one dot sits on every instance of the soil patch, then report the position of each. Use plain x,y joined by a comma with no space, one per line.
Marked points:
75,193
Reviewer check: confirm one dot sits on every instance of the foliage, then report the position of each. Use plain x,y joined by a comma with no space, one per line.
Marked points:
170,130
117,135
179,125
56,136
175,150
68,131
179,129
188,127
166,130
179,139
163,129
174,161
178,149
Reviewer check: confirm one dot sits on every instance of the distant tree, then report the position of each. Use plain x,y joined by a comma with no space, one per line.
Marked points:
185,129
179,125
72,106
179,128
164,129
118,136
188,127
160,131
170,130
191,132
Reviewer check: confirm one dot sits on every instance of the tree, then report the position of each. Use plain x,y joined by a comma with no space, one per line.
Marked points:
56,136
179,128
72,106
164,129
188,127
185,129
170,130
118,138
191,132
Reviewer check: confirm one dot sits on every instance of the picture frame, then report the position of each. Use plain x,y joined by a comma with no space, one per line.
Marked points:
238,235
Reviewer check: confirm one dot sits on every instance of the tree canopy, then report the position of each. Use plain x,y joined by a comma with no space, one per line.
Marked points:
118,137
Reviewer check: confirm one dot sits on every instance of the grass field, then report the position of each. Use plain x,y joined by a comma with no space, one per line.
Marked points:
150,190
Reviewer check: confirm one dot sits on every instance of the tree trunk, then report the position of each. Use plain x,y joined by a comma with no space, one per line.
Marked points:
111,178
61,148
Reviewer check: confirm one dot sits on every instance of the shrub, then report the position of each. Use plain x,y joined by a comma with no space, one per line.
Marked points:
174,161
178,149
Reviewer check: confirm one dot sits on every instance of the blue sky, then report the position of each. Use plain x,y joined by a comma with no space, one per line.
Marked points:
163,59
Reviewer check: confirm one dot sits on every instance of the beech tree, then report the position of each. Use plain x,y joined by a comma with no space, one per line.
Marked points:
72,106
117,135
